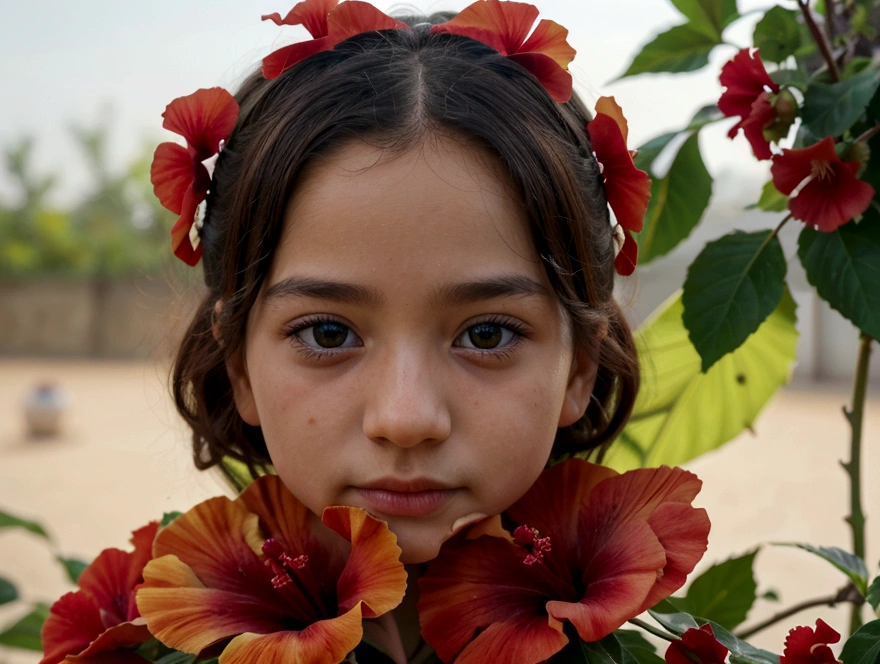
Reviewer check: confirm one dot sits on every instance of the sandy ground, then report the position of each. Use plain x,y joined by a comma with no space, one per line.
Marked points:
124,460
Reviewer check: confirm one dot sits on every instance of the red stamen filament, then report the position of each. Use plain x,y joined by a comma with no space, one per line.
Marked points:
281,563
821,170
535,547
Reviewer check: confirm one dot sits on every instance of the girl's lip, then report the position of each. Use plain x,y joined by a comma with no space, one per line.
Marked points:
405,503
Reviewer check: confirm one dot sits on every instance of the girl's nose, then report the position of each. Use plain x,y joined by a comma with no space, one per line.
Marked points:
405,403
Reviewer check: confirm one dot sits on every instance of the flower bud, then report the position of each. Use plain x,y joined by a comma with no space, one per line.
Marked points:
786,106
858,152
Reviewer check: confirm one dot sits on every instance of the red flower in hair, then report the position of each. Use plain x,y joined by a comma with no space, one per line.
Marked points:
752,95
180,179
329,23
627,188
804,645
505,27
101,617
591,548
830,194
697,646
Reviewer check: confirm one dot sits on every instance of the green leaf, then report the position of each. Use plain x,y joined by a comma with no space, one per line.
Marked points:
73,567
730,289
609,650
723,594
168,517
851,565
632,638
708,16
677,203
778,34
771,596
9,521
863,647
873,595
680,49
829,110
772,200
8,592
177,658
844,268
676,415
648,152
25,633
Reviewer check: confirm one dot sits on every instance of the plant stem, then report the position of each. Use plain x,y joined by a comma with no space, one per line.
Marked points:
866,136
855,415
819,38
830,14
653,630
848,593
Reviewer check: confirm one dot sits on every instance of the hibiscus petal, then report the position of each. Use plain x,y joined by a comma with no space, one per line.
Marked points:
277,62
554,78
203,118
354,17
171,174
180,242
619,576
511,21
309,13
373,573
829,205
792,167
761,114
114,640
526,641
628,257
182,613
117,657
108,581
609,106
491,39
745,78
627,188
74,622
550,39
825,633
323,642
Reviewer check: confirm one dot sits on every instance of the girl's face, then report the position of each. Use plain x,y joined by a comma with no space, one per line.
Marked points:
407,353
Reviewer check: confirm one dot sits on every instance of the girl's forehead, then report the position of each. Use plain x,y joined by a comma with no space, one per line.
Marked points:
441,206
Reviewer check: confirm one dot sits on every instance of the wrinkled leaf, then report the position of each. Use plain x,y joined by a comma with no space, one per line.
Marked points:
677,203
851,565
679,49
863,647
73,567
676,415
25,633
772,200
731,287
778,34
723,594
8,592
9,521
844,268
829,110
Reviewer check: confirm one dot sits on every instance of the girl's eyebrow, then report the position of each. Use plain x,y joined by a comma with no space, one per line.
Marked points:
506,285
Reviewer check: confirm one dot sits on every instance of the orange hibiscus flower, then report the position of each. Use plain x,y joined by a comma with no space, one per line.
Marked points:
590,548
255,571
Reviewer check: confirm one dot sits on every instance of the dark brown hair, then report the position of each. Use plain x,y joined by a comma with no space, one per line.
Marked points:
394,88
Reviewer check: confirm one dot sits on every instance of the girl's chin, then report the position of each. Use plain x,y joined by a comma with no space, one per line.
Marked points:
420,540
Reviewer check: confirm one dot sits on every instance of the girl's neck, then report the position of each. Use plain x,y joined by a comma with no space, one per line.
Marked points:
406,616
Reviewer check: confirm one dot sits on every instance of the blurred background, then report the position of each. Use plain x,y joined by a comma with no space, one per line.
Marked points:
92,301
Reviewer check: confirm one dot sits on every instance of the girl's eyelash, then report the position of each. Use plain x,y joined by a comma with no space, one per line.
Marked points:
311,352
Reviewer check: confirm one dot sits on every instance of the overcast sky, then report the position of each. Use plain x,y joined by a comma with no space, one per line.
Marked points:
67,62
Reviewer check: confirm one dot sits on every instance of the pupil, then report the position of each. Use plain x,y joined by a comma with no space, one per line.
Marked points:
485,335
330,335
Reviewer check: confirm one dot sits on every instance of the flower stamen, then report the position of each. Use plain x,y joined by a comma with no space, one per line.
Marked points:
534,546
821,170
281,563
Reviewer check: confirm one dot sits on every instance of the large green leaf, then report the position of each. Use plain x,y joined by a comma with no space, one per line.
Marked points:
873,595
680,49
610,650
771,200
844,268
778,34
677,414
723,594
708,16
26,632
8,593
648,152
9,521
731,288
677,202
851,565
863,647
829,110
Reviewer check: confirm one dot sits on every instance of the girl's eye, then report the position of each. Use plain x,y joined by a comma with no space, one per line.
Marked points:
319,335
491,336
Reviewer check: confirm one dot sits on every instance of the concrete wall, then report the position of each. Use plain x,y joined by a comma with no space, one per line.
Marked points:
73,317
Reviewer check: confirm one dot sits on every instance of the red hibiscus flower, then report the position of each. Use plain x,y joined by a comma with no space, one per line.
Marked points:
696,646
328,24
101,617
180,179
804,645
255,571
590,547
505,27
627,188
752,95
829,193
